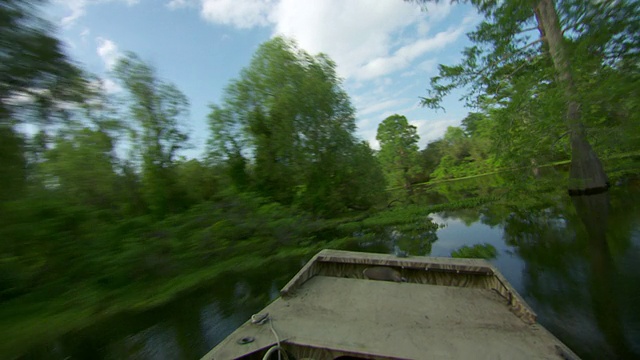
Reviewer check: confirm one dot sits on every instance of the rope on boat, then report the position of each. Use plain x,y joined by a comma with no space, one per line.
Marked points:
273,349
260,319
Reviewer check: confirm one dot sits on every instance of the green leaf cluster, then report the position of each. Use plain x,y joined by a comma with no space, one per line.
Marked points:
478,251
286,129
398,153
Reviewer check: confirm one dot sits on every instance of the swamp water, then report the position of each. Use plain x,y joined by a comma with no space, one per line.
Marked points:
575,261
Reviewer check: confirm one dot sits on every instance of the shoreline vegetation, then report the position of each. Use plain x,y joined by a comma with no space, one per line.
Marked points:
612,174
48,314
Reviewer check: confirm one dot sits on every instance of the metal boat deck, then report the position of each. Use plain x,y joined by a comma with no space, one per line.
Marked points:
447,309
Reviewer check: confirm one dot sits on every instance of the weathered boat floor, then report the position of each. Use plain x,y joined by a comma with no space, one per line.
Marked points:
396,320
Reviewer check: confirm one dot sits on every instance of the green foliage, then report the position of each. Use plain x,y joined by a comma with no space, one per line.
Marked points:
465,153
398,151
478,251
516,81
88,230
289,118
12,163
196,181
36,76
364,181
81,165
158,108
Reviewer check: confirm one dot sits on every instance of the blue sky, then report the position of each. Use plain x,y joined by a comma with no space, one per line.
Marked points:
385,50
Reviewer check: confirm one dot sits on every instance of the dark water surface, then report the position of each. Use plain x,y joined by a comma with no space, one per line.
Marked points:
575,261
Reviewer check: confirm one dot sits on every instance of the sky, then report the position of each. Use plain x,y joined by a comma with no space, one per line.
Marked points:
385,50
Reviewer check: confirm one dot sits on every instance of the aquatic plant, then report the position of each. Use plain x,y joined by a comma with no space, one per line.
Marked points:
478,251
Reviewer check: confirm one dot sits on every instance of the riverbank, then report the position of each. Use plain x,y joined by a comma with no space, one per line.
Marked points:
44,315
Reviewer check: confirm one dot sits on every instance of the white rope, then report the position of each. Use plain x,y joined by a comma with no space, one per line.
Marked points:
272,350
274,333
261,320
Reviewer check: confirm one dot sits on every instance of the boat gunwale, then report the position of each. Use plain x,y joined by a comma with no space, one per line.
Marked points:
478,267
350,263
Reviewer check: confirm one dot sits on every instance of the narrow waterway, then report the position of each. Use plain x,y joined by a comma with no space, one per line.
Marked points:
575,261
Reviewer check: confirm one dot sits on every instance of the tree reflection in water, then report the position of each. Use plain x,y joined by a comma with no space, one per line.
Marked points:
581,289
576,261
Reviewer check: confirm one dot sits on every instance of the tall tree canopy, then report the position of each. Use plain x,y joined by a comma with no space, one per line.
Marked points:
158,109
533,65
398,154
36,76
37,83
290,116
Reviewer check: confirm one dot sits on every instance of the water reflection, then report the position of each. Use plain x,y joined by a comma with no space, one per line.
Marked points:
593,210
572,276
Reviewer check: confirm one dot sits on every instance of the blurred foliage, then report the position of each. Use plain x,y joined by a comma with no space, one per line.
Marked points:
37,79
100,214
513,81
478,251
286,130
399,151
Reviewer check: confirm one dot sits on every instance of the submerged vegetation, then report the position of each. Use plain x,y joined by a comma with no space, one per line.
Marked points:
100,214
478,251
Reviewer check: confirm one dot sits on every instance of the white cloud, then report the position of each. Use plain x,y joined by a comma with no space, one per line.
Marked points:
241,14
404,56
350,32
108,52
430,130
428,66
370,137
69,43
110,86
380,105
77,8
423,28
84,35
357,34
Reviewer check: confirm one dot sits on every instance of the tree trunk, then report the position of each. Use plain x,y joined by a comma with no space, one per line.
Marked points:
586,174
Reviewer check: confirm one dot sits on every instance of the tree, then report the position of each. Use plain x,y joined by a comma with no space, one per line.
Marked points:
364,180
81,166
196,181
463,152
398,150
587,172
472,121
289,121
13,164
37,83
36,76
431,156
456,150
157,108
507,72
